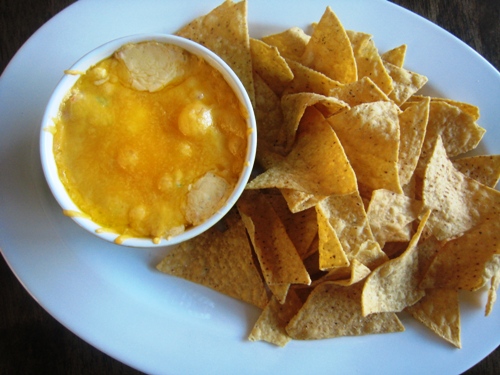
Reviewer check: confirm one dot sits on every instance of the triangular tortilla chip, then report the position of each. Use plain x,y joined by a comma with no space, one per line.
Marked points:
390,216
278,257
492,293
291,43
412,125
395,56
302,227
316,165
270,65
369,134
395,284
293,107
347,218
439,310
269,118
331,253
457,129
274,318
405,83
467,262
333,311
225,31
219,260
368,61
458,202
362,91
329,50
483,168
309,80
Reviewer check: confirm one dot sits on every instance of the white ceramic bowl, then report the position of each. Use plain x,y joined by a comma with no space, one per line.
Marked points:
67,82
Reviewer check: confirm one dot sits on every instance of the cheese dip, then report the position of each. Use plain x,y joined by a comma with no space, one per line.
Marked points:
150,141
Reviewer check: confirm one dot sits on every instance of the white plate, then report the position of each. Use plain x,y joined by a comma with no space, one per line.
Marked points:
114,299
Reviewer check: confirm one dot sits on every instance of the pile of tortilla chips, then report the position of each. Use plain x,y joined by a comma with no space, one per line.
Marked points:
361,208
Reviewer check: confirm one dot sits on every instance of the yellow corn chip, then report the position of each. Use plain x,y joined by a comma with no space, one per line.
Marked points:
269,118
279,260
492,293
458,130
483,168
270,65
333,311
362,91
439,310
225,31
405,83
347,218
331,253
329,50
219,260
390,216
293,107
369,134
274,318
368,61
395,284
458,202
412,125
395,56
316,165
467,262
302,227
291,43
308,80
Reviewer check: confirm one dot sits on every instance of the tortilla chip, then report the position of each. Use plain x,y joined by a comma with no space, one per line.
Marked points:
316,165
492,293
309,80
439,310
270,65
331,253
301,227
291,43
458,130
458,202
219,260
293,107
405,83
333,311
368,61
369,134
362,91
329,50
279,260
347,218
395,284
225,32
467,262
395,56
345,276
274,318
390,216
269,118
412,125
483,168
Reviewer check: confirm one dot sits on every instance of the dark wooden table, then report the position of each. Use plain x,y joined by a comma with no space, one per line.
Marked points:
31,341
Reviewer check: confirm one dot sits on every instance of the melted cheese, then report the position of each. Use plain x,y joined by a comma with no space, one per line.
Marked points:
130,154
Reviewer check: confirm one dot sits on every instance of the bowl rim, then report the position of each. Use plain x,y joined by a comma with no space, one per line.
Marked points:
98,54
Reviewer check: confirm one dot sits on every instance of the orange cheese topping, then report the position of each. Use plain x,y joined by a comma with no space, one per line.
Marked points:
130,158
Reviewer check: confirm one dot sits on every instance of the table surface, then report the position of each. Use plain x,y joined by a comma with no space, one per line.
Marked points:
31,341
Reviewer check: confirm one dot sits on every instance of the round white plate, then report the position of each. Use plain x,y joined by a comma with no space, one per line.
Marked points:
112,296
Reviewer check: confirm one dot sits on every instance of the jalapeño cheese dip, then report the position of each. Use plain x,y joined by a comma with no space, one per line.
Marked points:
150,141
